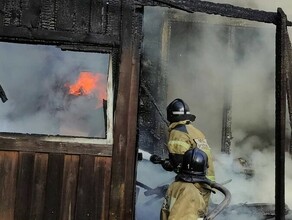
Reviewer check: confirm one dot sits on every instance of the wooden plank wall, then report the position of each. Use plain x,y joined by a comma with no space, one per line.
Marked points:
53,186
88,21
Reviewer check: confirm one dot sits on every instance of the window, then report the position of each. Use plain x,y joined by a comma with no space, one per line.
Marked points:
55,92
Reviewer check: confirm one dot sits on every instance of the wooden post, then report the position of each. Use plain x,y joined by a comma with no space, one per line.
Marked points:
122,198
281,67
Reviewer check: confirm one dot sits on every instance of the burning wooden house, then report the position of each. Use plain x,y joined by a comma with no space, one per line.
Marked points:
82,99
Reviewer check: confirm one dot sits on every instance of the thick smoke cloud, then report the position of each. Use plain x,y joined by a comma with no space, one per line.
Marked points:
242,64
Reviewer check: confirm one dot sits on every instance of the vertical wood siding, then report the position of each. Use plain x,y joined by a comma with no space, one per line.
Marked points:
74,21
38,186
70,175
8,174
53,186
23,186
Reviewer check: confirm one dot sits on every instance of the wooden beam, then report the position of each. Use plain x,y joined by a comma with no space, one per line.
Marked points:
281,68
124,151
41,35
35,143
226,10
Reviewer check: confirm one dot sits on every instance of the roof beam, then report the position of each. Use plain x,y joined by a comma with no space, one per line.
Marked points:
225,10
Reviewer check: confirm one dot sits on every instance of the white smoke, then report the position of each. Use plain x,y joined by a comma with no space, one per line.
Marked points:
152,175
256,189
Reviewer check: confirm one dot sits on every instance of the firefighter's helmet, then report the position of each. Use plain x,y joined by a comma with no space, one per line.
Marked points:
178,110
195,162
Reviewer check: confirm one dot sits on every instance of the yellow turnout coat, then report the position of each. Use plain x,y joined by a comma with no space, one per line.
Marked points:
184,201
184,136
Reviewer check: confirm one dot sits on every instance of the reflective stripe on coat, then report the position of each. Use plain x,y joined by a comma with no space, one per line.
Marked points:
183,136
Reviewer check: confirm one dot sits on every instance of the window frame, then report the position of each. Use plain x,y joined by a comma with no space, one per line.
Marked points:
70,144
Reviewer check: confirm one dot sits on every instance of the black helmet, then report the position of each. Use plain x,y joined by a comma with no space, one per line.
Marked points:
178,110
195,162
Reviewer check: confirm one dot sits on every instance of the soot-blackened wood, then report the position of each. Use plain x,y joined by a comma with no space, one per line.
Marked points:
85,197
51,37
8,173
31,10
24,185
55,21
65,11
289,88
47,15
97,16
38,186
82,15
114,16
281,73
1,14
124,150
102,175
70,177
54,186
12,12
226,10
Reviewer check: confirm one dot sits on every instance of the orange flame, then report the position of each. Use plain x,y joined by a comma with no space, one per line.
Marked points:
89,83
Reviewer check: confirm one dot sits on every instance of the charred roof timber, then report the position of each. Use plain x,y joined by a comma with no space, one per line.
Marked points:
225,10
282,71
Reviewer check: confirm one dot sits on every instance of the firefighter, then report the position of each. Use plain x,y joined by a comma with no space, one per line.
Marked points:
185,197
184,136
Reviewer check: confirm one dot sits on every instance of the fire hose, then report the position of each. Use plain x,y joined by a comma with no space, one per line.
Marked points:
221,206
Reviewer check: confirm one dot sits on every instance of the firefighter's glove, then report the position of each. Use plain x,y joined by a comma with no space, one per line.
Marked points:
155,159
167,165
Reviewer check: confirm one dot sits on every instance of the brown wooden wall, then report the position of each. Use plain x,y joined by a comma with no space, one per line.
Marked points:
53,186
